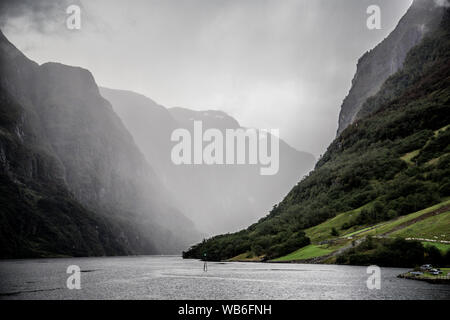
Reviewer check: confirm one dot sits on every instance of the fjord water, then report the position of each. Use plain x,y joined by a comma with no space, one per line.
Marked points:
171,277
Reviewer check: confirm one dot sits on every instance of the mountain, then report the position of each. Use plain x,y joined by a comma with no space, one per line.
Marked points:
73,180
382,176
377,65
218,198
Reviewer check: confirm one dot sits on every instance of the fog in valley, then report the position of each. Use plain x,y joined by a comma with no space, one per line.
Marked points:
156,66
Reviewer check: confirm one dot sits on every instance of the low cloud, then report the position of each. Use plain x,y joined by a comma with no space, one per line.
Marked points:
43,16
269,63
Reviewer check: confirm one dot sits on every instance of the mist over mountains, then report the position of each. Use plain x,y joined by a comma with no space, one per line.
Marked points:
73,180
218,198
76,182
87,170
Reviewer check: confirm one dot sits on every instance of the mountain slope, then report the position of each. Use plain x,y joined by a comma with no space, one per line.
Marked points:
387,58
218,198
368,167
66,151
150,124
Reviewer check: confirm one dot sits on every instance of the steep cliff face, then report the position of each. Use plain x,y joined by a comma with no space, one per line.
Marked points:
59,136
39,216
102,165
217,198
375,66
150,124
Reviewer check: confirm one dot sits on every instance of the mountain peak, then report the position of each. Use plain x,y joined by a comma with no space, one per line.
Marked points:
68,78
210,118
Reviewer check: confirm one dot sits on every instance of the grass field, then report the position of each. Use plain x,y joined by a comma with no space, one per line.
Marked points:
439,131
351,234
407,157
308,252
391,225
436,228
323,231
247,256
443,247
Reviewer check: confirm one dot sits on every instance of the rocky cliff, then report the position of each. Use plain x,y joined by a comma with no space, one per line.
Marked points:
375,66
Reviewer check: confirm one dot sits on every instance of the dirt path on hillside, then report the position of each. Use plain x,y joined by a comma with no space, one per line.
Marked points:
420,218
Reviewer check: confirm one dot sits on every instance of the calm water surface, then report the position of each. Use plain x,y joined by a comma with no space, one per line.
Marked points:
170,277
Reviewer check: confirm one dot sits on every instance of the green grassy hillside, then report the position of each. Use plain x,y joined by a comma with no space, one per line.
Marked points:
394,226
434,228
432,224
308,252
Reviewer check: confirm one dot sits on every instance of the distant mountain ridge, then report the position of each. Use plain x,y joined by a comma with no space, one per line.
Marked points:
217,198
83,186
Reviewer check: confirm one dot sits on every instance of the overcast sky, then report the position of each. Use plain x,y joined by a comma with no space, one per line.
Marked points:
284,64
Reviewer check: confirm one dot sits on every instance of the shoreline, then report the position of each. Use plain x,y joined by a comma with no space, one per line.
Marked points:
429,280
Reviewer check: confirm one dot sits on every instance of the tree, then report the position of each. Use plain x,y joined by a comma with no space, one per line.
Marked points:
334,232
